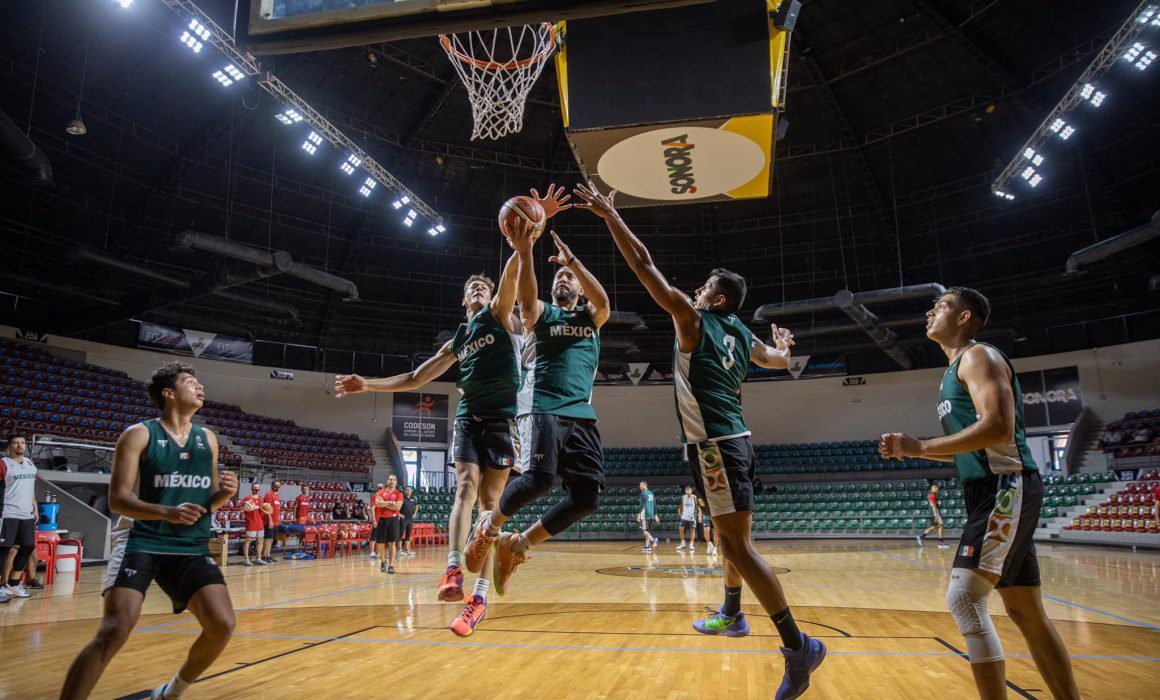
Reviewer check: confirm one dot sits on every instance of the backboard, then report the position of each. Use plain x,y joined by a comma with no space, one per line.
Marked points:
290,26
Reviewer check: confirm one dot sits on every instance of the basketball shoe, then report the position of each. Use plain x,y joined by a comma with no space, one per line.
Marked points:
473,614
451,585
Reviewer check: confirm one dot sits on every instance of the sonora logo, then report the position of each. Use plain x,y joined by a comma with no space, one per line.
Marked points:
679,162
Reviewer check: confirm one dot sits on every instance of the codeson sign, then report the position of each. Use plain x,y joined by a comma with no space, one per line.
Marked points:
1051,396
420,417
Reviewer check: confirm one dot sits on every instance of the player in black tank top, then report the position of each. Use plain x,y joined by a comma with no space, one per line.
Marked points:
172,455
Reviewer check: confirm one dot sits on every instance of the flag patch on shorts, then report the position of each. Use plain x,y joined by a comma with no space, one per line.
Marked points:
505,462
966,551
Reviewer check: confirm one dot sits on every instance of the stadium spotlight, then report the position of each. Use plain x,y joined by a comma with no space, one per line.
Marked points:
1035,158
436,230
1092,95
1149,15
229,75
1146,60
125,3
352,162
1066,132
290,116
1027,172
368,187
312,142
197,34
411,216
1035,180
1004,195
398,203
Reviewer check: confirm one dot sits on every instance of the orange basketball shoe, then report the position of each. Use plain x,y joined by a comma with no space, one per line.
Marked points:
451,586
479,543
506,561
473,614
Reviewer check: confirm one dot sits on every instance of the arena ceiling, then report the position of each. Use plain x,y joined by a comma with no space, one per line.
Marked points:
901,113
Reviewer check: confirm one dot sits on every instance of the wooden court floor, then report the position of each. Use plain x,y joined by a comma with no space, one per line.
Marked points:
603,620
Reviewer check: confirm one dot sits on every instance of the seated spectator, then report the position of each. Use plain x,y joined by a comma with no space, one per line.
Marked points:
340,512
359,512
1142,435
1112,436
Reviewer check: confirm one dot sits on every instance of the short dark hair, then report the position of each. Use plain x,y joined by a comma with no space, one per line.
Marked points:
975,302
479,278
732,285
13,436
165,377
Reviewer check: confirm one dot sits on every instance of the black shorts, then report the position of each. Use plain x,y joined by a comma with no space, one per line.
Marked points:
1002,515
17,532
388,530
268,532
688,524
567,447
484,441
180,576
408,525
723,474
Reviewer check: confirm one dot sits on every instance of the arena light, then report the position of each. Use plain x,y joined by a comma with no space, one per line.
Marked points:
196,36
411,216
1133,53
288,117
1005,195
1035,158
1146,60
125,3
436,230
350,164
1066,132
1092,95
1027,172
1035,179
367,187
312,142
1150,15
398,203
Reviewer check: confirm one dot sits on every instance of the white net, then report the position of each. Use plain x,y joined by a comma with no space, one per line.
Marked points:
499,67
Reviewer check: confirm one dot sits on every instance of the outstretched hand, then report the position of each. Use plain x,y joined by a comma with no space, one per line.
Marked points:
554,202
563,256
348,384
522,236
782,338
599,204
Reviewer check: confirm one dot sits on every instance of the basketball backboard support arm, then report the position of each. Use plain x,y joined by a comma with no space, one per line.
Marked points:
224,42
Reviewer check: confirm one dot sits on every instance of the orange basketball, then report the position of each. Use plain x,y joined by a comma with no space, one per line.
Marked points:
522,207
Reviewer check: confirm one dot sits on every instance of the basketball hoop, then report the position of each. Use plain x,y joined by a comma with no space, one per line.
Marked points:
499,67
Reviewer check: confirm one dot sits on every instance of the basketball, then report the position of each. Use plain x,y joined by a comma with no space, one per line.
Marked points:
521,207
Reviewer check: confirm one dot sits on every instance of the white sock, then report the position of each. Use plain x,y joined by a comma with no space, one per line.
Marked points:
489,528
481,586
454,558
174,688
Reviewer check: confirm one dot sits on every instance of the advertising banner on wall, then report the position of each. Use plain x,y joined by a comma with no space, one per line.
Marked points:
182,341
1051,396
420,417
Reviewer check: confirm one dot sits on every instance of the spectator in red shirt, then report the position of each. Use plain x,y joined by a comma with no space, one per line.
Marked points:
302,507
388,502
252,505
272,512
373,516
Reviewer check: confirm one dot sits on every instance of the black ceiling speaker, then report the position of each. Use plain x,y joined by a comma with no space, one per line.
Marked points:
786,15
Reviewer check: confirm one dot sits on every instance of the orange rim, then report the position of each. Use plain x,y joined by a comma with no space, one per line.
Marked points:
514,64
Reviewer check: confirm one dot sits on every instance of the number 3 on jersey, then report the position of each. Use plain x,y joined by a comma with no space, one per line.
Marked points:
730,345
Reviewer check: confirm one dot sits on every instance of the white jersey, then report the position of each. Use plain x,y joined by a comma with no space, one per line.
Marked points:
688,507
19,488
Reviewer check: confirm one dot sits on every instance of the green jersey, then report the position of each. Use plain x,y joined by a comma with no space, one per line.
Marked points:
956,411
648,504
708,380
169,475
559,364
489,369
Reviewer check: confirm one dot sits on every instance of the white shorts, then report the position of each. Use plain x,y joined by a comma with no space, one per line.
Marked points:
255,534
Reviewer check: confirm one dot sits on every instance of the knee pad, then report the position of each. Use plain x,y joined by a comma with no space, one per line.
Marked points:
525,489
967,600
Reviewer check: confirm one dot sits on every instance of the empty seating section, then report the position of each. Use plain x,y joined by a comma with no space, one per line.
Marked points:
44,394
1130,510
1136,435
280,442
803,458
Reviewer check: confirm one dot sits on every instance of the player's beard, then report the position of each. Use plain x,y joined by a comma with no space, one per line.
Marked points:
564,298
